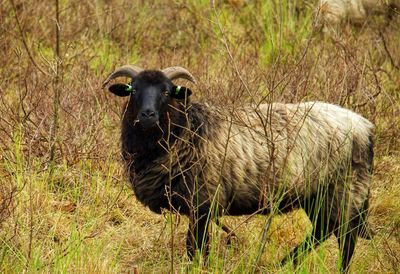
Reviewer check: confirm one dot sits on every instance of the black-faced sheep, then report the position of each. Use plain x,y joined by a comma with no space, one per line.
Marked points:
204,162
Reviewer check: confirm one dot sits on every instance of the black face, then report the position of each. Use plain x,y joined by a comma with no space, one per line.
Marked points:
151,94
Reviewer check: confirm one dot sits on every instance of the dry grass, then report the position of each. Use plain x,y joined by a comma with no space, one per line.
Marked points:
77,214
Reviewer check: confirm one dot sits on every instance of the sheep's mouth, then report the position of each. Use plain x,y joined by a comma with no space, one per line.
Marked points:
148,123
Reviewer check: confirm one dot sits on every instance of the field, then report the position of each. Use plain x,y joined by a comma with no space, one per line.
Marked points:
65,203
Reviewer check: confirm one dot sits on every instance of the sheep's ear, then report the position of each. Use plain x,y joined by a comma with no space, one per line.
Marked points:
179,92
121,89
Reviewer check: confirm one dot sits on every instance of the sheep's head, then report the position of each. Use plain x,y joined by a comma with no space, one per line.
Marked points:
151,91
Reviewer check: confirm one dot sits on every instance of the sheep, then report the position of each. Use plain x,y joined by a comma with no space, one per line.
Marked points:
205,162
334,12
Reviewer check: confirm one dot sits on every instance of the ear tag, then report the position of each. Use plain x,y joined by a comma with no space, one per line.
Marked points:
129,88
177,90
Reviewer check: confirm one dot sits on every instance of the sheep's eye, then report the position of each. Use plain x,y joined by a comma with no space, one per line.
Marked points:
166,93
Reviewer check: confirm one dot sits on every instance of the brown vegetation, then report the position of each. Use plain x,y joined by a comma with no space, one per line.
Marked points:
64,203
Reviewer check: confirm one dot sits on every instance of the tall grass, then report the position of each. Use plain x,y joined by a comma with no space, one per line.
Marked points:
82,217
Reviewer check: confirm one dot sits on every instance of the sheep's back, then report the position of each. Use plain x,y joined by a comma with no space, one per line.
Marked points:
280,149
324,141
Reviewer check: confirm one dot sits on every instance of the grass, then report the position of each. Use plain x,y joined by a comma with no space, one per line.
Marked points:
78,214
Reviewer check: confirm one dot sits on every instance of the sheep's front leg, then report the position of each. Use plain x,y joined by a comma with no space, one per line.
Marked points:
197,237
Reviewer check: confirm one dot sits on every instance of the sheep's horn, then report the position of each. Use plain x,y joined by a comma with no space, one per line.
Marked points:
127,71
178,72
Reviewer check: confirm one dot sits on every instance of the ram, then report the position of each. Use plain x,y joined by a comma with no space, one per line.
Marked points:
205,162
334,12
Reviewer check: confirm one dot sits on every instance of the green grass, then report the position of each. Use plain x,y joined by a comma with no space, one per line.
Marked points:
78,214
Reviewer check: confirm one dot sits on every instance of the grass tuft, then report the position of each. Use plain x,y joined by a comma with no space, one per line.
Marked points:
79,214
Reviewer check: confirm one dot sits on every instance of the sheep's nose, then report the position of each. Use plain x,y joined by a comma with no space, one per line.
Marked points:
148,113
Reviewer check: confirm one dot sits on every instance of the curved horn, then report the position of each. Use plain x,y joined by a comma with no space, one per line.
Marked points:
127,71
178,72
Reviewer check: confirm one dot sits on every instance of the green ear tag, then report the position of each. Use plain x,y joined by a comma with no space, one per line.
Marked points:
128,88
177,90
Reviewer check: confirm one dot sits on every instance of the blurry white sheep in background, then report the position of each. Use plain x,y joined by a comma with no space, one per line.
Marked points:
334,12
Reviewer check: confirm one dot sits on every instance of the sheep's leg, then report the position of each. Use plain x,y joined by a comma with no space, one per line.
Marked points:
347,244
317,237
354,223
322,229
197,236
347,237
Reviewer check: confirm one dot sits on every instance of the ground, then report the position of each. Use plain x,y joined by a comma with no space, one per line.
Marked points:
65,203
